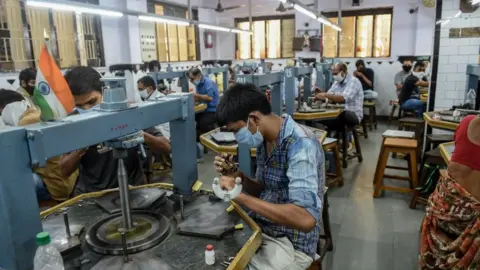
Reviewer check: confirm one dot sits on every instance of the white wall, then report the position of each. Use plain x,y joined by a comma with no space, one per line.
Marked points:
454,55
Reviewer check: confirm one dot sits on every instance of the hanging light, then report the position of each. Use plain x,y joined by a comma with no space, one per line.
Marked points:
74,8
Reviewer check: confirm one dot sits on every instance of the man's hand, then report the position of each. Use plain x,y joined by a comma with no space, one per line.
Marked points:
321,96
227,182
197,96
224,164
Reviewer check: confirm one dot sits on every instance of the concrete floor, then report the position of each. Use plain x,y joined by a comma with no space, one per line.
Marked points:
368,233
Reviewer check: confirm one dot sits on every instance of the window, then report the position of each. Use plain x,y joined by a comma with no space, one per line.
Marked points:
365,33
168,42
74,39
272,37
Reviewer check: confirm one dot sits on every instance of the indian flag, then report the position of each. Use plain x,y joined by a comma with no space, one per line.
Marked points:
52,94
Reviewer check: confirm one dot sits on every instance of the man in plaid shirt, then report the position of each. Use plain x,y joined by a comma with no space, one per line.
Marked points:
346,89
286,196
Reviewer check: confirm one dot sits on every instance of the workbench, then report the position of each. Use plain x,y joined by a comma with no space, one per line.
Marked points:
174,252
438,124
446,149
329,113
231,149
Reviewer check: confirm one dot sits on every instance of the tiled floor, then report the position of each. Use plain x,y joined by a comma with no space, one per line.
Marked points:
368,233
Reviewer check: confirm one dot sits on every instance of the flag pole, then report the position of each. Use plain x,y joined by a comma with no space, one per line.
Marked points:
46,37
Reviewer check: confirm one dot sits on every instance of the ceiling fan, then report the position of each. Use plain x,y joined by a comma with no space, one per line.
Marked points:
219,8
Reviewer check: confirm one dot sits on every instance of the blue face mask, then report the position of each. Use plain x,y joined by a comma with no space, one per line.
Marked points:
196,82
245,136
82,111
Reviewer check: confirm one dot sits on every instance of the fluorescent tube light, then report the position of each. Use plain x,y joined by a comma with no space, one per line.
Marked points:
74,8
305,11
162,20
239,31
213,27
445,22
336,27
285,1
458,14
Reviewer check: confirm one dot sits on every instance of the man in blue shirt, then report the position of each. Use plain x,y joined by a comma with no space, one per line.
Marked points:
286,196
206,91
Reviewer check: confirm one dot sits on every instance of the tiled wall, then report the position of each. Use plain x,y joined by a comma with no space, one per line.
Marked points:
455,54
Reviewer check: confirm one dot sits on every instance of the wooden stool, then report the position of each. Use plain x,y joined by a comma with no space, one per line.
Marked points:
358,153
364,130
317,263
394,145
416,125
433,140
432,157
372,114
394,104
331,145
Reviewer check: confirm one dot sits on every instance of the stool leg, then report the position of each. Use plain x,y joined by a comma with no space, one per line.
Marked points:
380,171
378,162
326,223
410,168
375,116
392,113
345,148
370,116
338,165
365,130
357,146
413,166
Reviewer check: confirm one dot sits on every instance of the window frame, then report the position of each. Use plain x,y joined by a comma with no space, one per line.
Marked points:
262,18
184,10
363,12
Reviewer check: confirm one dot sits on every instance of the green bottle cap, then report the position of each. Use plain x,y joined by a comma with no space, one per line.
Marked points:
43,238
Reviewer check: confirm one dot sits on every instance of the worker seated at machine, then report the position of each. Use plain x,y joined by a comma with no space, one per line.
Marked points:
206,91
286,196
49,182
402,75
98,168
366,77
346,89
154,66
409,97
27,79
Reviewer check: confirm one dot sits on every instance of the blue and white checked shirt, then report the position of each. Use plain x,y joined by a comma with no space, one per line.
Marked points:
351,89
294,172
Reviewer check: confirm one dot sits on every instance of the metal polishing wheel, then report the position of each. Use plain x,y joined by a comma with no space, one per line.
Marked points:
149,230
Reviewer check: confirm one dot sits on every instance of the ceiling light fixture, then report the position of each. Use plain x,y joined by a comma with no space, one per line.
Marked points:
163,20
213,27
74,8
305,11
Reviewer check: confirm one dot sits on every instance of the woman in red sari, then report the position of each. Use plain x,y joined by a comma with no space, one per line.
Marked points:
450,237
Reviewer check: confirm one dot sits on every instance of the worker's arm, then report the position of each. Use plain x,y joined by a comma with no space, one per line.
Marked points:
302,212
368,79
422,83
398,81
158,144
252,187
473,131
69,162
206,98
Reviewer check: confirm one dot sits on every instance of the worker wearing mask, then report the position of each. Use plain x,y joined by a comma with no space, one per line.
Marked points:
286,196
27,79
206,91
409,97
99,169
366,77
402,74
348,90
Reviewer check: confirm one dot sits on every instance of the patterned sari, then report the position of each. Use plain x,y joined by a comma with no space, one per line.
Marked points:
450,236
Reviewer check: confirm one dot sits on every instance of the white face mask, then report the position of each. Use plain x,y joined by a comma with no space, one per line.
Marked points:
143,94
339,77
419,75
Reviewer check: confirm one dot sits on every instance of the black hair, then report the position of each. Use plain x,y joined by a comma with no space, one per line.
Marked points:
239,101
83,80
194,72
153,64
9,96
27,75
147,81
360,62
418,64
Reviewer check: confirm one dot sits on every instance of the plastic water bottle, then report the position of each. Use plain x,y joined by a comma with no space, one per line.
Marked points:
209,255
47,256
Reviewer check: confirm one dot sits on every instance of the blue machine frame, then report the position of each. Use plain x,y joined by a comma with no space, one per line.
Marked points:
473,73
324,75
169,75
31,146
292,74
260,80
